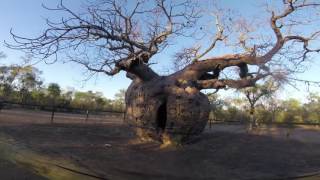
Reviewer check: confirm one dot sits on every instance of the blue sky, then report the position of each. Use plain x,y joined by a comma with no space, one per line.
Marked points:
27,19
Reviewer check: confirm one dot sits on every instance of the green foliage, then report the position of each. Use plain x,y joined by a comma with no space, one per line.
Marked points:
291,112
312,109
227,109
86,100
270,110
22,84
54,90
39,97
27,78
119,101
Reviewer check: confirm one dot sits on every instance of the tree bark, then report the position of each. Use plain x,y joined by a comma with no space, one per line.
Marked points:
170,109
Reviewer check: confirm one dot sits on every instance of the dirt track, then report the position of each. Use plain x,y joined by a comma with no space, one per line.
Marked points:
111,152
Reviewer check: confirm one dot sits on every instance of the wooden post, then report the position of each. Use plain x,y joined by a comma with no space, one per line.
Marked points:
52,115
124,117
87,115
1,106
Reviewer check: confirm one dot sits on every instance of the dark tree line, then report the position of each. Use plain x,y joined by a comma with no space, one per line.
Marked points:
267,110
23,85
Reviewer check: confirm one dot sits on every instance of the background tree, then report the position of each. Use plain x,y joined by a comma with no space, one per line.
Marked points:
27,79
291,111
21,78
113,36
66,99
39,98
54,92
89,100
255,93
217,105
119,100
312,108
272,106
3,87
6,79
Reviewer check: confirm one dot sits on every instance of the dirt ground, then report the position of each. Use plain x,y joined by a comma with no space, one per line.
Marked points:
111,151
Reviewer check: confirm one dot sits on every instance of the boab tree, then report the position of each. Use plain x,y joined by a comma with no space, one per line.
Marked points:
113,36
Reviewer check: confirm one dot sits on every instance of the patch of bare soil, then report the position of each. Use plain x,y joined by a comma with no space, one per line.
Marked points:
110,152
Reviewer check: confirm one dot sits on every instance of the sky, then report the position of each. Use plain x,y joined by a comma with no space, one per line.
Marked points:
27,18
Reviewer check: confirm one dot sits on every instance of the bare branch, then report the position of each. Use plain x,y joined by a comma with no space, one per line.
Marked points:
123,37
218,37
113,36
228,83
201,68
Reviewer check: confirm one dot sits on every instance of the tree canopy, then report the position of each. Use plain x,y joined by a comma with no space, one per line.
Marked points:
110,36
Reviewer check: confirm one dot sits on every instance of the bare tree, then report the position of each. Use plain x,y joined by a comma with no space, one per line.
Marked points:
113,36
256,93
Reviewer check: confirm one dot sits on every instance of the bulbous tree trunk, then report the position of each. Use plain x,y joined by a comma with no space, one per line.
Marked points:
166,109
171,109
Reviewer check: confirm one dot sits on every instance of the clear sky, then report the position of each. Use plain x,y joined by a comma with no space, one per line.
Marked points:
27,19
